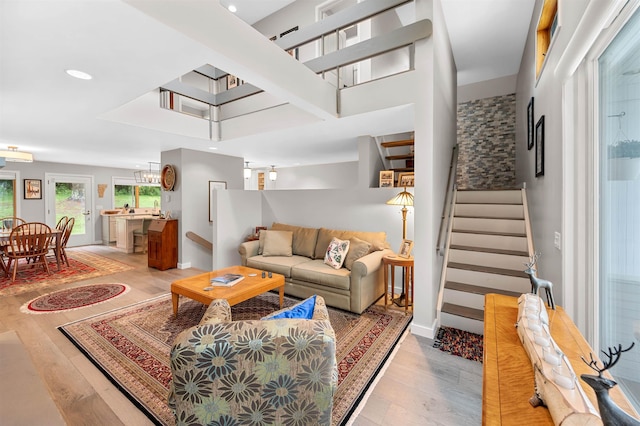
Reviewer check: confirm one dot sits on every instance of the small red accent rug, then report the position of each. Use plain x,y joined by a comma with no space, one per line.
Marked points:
131,347
74,298
460,343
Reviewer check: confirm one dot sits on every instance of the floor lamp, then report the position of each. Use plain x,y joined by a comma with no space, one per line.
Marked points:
403,199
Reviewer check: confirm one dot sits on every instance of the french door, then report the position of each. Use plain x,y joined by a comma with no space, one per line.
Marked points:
72,196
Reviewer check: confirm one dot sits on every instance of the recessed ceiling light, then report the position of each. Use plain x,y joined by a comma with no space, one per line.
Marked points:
79,74
232,8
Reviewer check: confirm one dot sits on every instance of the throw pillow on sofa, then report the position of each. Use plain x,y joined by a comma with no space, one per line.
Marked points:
336,253
357,249
277,243
301,310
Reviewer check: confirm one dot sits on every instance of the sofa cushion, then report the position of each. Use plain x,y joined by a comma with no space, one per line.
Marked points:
317,272
357,249
304,239
336,253
277,243
378,240
278,264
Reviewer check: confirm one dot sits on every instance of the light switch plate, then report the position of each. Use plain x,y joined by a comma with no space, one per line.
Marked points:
556,240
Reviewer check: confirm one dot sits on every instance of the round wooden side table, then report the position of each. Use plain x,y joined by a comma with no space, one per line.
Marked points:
390,262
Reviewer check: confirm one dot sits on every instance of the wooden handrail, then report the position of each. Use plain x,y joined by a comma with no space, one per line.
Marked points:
198,239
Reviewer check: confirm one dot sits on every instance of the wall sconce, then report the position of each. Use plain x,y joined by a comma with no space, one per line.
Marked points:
247,170
273,175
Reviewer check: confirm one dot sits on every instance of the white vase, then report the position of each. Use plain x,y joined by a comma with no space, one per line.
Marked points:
624,168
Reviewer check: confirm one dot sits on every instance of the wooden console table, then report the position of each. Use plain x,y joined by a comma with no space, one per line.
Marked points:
508,381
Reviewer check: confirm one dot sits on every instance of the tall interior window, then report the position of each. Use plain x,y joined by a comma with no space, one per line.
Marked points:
8,191
128,192
619,280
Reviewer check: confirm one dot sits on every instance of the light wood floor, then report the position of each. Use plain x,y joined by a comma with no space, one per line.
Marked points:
422,385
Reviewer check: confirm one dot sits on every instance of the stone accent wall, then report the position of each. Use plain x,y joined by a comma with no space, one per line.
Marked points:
486,141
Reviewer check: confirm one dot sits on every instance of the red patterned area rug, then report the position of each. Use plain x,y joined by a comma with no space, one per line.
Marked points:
74,298
83,265
131,347
460,343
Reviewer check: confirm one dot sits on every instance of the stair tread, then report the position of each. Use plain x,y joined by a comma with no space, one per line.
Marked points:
487,269
400,157
465,216
407,142
489,250
504,234
463,311
476,289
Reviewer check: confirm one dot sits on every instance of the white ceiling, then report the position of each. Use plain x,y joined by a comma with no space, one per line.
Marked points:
62,119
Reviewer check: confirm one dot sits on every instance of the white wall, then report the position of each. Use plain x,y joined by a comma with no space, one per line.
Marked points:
545,193
236,213
321,176
435,136
189,201
487,89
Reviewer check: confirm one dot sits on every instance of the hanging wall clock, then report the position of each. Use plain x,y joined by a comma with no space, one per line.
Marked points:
168,178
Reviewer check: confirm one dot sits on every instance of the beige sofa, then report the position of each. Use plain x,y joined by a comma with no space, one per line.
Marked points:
298,253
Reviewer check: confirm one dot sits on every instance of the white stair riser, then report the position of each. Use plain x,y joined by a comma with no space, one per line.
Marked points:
504,261
483,279
463,298
489,225
490,210
489,197
462,323
489,241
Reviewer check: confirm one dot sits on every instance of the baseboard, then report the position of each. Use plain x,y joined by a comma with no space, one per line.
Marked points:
423,331
185,265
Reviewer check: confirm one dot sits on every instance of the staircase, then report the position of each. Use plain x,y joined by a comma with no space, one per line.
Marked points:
399,156
489,240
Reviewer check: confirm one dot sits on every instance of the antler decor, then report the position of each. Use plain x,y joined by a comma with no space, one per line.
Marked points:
611,414
538,283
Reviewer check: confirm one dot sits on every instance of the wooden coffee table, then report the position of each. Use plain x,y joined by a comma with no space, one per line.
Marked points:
250,286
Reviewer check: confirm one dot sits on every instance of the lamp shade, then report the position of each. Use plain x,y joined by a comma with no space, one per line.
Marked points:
273,174
247,170
402,199
12,154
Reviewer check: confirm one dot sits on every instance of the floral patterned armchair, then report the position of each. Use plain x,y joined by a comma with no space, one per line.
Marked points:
257,372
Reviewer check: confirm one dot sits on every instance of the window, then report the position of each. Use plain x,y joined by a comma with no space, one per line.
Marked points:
547,26
128,192
619,245
8,191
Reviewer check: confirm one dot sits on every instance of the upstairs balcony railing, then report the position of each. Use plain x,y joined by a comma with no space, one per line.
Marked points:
371,40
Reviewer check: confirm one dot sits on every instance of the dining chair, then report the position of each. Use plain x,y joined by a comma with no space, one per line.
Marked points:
64,239
62,222
28,241
10,222
141,236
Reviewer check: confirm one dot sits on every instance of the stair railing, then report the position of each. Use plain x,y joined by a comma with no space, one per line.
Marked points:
446,226
448,202
199,240
527,223
445,260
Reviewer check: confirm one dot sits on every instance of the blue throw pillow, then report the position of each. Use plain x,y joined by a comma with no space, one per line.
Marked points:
302,311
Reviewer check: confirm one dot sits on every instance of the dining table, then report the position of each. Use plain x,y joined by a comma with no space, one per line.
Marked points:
57,237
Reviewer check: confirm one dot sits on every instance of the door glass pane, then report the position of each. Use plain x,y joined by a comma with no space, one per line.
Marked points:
7,197
619,281
71,202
